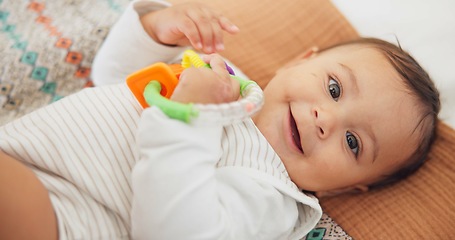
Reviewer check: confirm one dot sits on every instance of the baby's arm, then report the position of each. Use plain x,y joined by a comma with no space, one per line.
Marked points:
180,194
152,31
128,47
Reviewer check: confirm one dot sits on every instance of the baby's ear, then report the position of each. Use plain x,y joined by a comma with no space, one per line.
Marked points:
313,51
305,55
350,190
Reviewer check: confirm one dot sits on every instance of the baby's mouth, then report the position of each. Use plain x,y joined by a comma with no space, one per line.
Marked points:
295,132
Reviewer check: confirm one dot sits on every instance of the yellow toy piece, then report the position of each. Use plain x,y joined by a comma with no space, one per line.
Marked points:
191,58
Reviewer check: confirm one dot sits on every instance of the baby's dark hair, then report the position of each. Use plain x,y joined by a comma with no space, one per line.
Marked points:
421,86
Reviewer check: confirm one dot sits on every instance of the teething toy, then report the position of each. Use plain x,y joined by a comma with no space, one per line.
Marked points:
155,84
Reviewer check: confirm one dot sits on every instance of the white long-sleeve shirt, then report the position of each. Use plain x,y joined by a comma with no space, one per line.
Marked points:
114,170
214,183
221,193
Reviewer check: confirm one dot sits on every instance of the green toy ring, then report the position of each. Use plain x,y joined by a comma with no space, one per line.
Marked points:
252,99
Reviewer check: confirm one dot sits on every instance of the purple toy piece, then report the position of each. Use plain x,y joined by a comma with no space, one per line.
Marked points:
229,69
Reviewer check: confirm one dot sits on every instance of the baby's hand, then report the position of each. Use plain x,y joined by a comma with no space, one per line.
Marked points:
205,85
189,23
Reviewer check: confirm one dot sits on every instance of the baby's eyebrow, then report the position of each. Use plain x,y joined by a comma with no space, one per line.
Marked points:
351,77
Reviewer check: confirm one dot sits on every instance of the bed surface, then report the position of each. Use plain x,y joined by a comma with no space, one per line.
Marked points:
46,54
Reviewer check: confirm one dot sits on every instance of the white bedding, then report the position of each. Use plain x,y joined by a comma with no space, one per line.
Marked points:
425,28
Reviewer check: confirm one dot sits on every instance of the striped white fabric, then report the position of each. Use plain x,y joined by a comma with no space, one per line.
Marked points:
243,145
83,150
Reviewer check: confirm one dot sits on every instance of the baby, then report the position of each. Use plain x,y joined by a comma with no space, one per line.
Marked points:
97,166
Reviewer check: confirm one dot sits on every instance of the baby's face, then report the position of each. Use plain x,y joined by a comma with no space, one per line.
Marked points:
338,120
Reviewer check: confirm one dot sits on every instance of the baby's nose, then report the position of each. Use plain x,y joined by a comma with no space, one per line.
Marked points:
324,122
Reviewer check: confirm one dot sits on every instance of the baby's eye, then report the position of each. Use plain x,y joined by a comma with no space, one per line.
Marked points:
334,89
352,143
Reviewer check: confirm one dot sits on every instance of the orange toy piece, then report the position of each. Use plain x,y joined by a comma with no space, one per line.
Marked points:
166,74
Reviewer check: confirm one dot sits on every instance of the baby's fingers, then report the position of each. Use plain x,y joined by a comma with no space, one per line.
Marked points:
191,31
211,26
219,24
206,28
230,89
227,25
217,64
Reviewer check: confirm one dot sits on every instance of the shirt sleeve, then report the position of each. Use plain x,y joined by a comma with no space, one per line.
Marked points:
129,48
178,193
